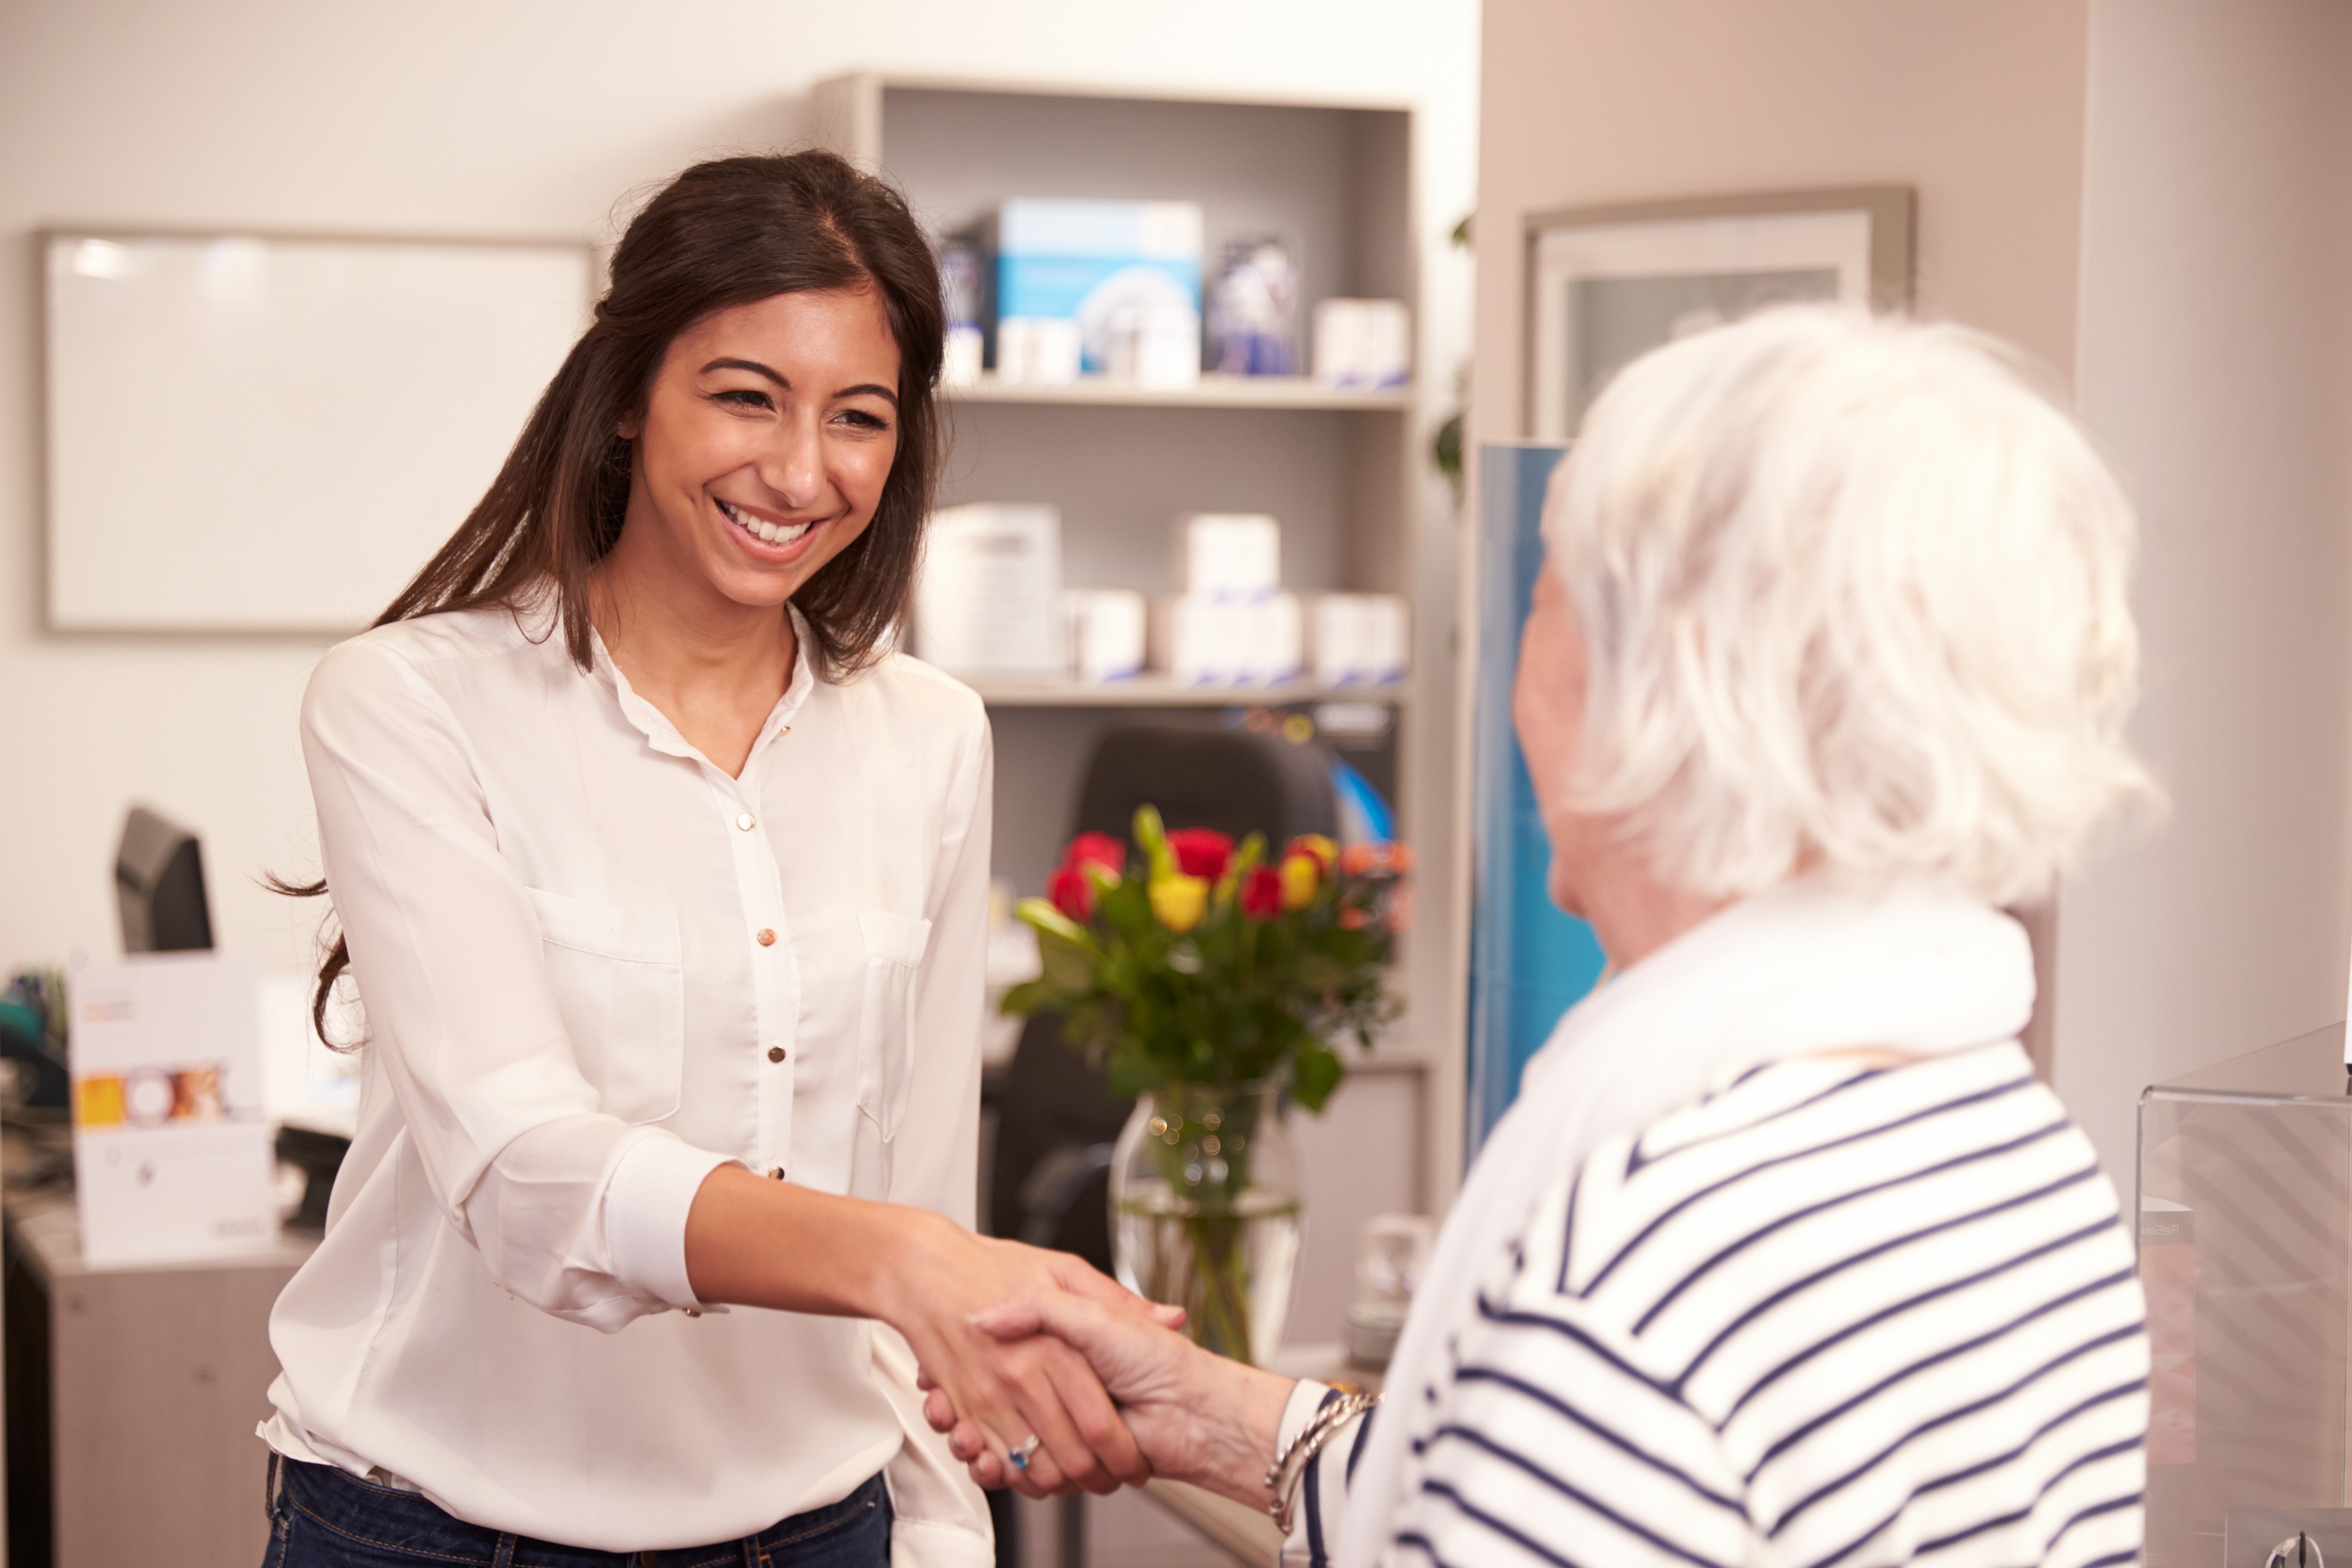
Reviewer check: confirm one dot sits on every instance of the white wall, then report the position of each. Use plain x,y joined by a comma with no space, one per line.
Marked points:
2216,372
496,118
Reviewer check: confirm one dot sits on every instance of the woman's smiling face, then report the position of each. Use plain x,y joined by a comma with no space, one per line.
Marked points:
766,440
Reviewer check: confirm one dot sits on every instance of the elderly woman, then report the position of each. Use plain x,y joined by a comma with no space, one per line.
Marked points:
1784,1255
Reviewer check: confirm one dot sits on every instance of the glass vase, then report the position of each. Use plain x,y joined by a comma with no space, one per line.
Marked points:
1205,1211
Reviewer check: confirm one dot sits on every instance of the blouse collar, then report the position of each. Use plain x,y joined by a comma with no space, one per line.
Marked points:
664,736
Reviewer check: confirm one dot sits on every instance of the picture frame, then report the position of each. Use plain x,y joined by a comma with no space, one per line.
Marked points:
1607,284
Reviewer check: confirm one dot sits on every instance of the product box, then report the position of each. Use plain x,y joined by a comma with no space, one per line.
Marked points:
1106,628
1363,343
964,288
1229,555
1357,639
1254,308
172,1152
1205,640
1119,280
988,595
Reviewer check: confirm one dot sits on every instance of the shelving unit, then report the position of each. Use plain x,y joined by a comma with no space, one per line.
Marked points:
1214,391
1346,471
1159,692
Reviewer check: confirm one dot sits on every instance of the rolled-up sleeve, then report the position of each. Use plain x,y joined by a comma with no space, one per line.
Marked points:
940,1516
574,1210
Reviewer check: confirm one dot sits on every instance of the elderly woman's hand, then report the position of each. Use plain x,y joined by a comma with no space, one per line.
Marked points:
1198,1417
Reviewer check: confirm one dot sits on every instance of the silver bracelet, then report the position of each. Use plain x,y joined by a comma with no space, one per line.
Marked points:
1282,1478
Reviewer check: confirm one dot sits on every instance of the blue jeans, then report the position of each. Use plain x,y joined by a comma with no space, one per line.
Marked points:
320,1517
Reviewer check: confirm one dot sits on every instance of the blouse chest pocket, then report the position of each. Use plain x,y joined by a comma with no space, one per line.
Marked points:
620,984
886,1027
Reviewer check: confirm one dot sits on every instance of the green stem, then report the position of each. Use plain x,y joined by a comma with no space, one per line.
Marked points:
1216,1289
1220,1286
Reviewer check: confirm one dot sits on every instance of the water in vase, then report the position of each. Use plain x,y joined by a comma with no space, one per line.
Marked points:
1230,1267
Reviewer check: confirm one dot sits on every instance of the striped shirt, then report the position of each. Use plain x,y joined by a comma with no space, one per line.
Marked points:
1831,1316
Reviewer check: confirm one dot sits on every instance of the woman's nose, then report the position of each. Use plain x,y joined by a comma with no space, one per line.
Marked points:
794,468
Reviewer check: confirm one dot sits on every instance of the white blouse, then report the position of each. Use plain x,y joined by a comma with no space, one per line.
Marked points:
593,969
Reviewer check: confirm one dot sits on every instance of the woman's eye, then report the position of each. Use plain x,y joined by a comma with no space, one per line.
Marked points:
745,397
865,421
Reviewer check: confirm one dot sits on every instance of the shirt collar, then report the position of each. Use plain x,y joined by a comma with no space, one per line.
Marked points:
663,735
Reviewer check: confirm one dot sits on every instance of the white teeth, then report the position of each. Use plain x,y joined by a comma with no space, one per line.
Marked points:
773,533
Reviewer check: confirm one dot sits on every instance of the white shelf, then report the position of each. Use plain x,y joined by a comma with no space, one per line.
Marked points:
1160,690
1211,392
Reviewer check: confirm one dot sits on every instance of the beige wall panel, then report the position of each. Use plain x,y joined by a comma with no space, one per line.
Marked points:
2217,374
1980,106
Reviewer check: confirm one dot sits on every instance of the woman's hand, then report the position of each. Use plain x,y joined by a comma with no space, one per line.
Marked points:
1005,1390
764,1243
1198,1417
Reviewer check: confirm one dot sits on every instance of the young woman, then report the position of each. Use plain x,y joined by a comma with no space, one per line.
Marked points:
662,884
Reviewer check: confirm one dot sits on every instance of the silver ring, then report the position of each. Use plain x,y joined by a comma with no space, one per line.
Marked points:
1019,1457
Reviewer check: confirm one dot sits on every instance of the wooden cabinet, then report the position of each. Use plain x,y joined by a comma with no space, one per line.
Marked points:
133,1398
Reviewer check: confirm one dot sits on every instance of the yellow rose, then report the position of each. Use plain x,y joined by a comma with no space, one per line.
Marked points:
1300,875
1326,852
1179,901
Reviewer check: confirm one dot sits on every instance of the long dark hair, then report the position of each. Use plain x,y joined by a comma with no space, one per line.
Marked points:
728,232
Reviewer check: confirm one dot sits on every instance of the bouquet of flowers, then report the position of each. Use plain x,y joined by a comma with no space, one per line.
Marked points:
1211,980
1196,962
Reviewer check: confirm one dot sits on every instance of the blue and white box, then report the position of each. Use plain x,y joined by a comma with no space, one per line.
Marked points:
1125,275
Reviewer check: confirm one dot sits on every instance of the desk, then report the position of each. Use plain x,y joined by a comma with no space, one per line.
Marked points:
151,1381
1247,1535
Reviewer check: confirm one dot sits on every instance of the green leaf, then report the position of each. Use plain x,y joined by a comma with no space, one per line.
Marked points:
1152,834
1029,997
1321,972
1050,920
1317,1073
1069,967
1132,1071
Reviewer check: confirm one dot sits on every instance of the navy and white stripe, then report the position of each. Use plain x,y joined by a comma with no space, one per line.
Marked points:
1831,1317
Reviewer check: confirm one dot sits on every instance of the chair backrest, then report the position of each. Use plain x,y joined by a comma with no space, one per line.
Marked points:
1235,781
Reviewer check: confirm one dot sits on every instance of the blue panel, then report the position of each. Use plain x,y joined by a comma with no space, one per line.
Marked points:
1528,962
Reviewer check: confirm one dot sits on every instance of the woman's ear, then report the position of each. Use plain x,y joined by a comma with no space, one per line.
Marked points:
631,427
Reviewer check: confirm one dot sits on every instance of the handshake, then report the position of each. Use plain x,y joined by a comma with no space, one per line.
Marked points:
1066,1381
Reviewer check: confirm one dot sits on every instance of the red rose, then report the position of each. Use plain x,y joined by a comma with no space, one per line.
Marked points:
1096,848
1203,852
1262,892
1069,891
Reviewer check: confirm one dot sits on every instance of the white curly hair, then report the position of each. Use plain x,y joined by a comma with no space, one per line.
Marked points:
1851,592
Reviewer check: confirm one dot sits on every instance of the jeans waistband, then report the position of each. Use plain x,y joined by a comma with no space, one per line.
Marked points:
387,1517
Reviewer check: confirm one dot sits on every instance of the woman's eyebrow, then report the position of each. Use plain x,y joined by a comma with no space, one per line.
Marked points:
863,389
755,366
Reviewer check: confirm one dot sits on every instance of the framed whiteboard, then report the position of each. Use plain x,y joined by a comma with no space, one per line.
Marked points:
252,433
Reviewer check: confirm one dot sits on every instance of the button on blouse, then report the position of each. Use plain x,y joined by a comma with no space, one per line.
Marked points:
546,890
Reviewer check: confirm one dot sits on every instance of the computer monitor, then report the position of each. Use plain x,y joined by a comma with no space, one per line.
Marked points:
159,885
